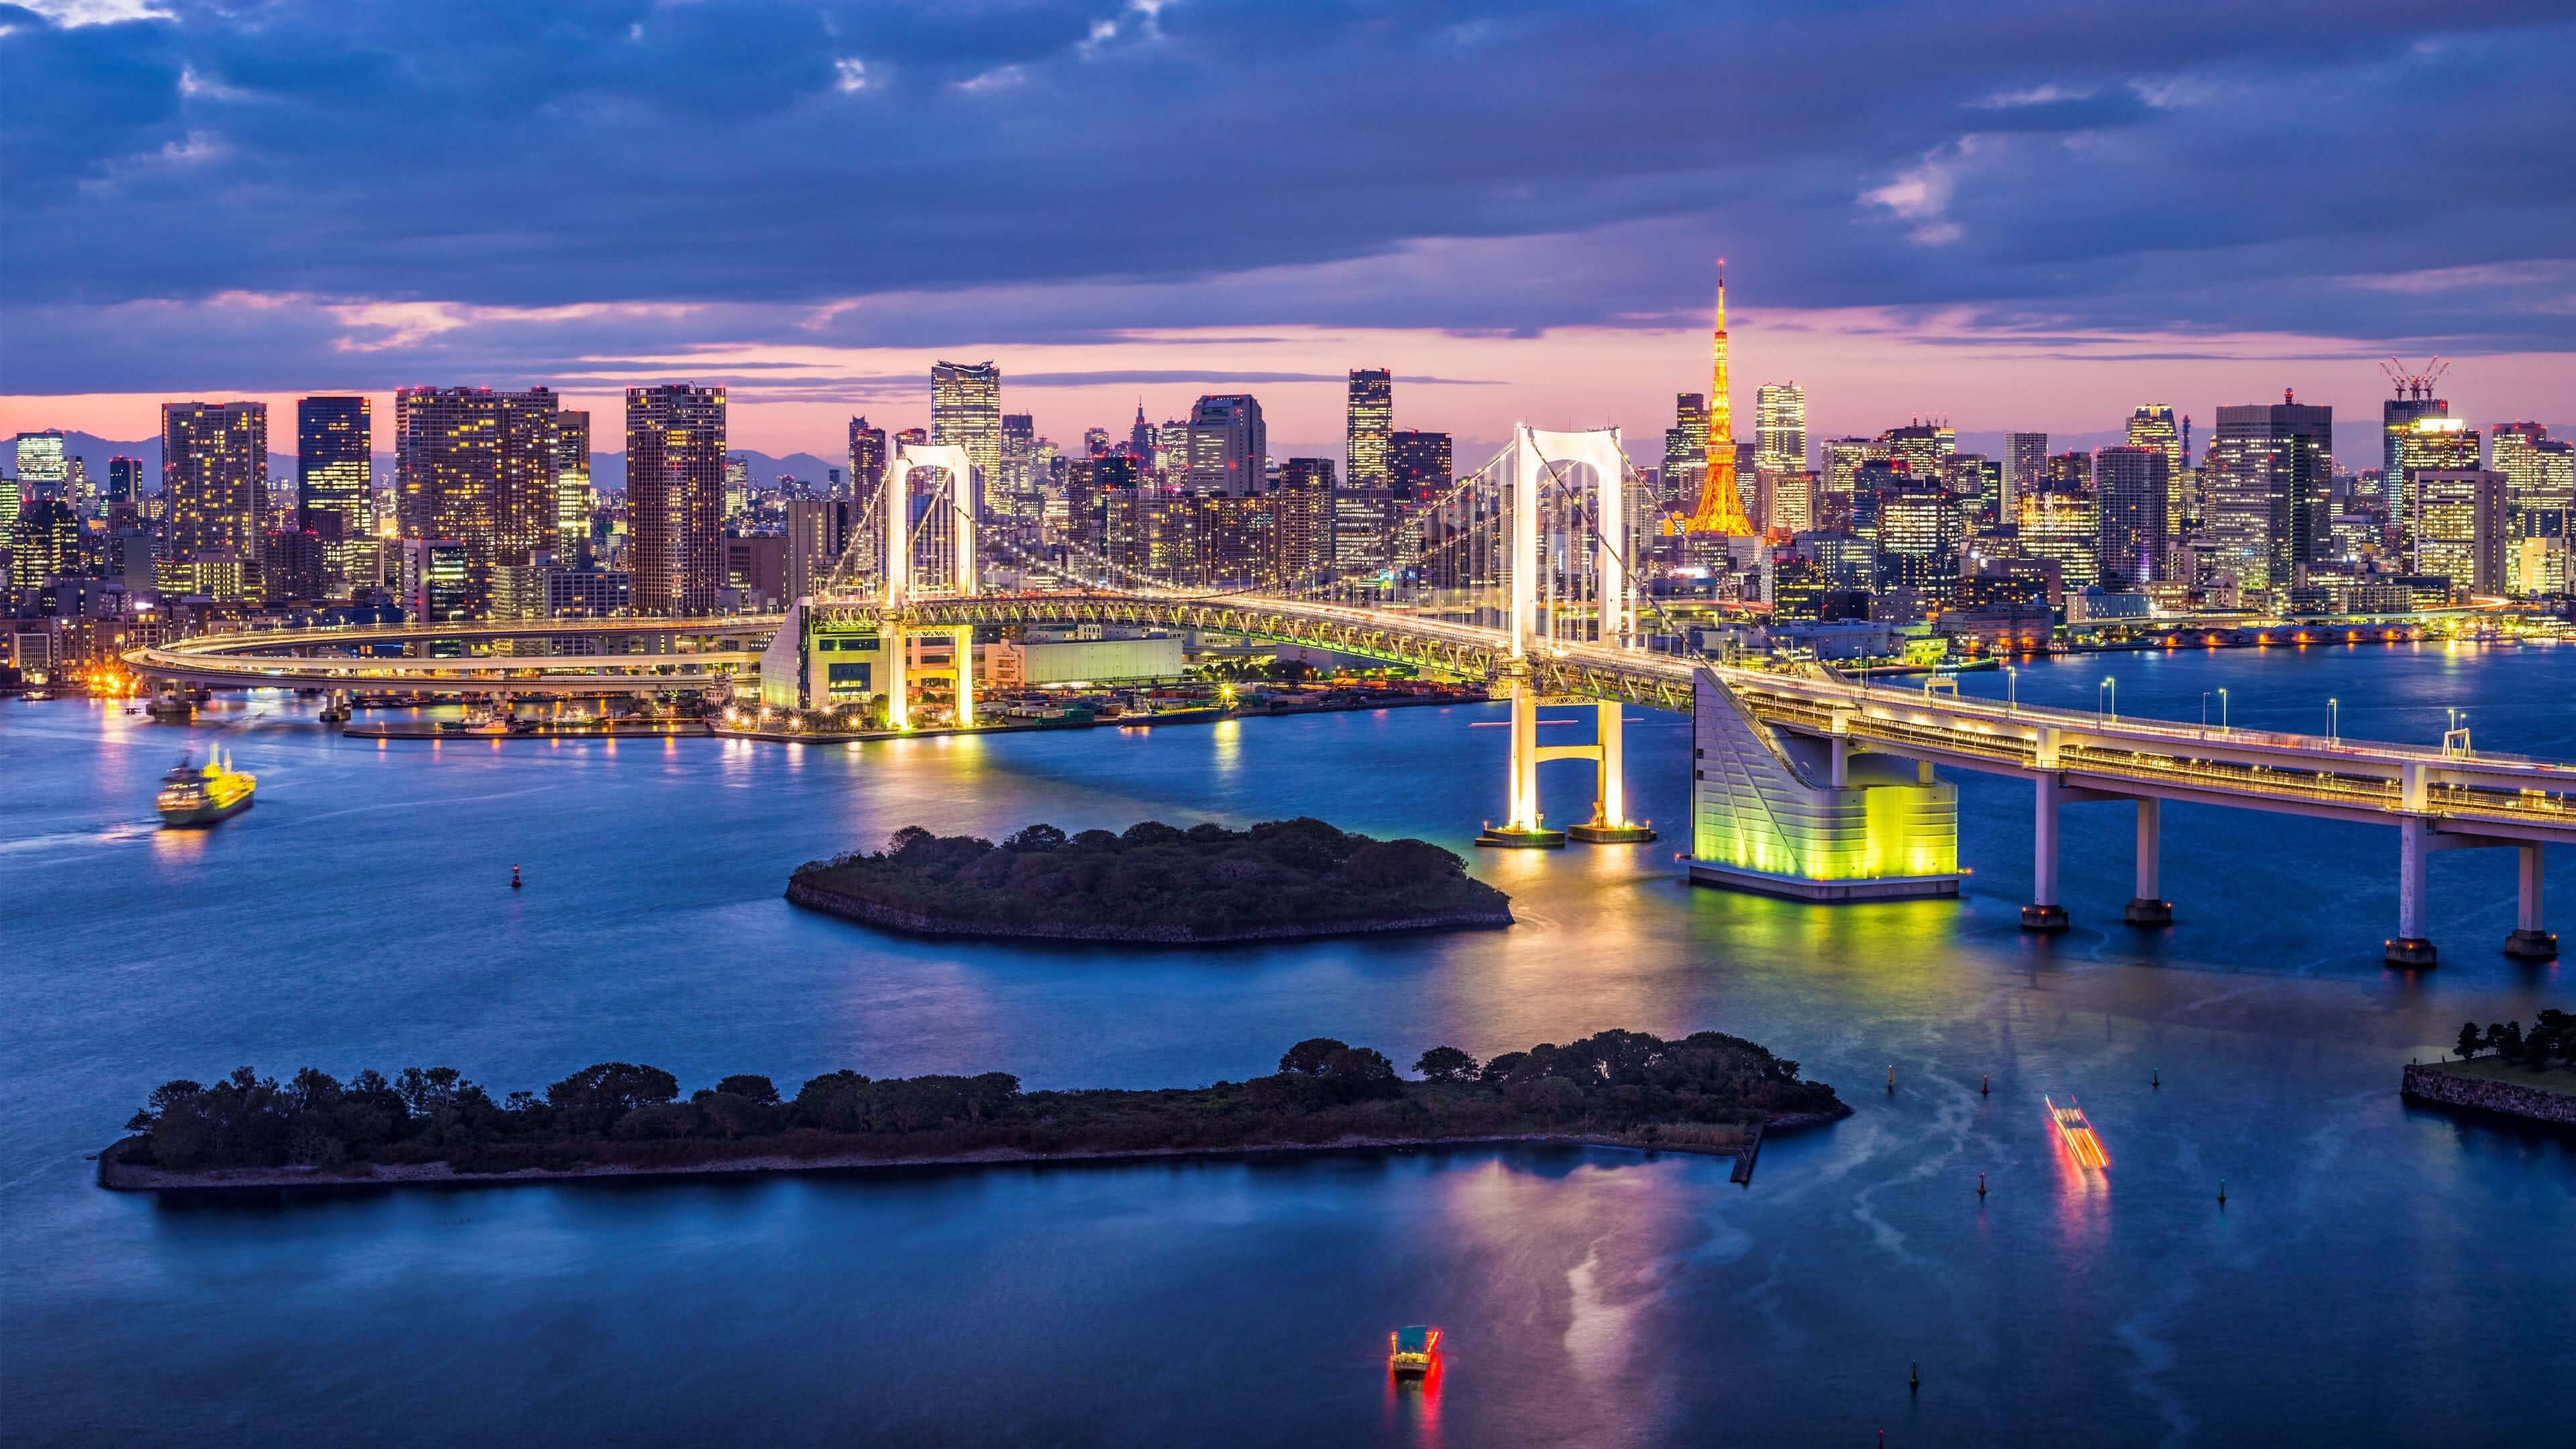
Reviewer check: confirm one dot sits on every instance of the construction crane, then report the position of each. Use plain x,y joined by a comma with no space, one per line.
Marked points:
2415,386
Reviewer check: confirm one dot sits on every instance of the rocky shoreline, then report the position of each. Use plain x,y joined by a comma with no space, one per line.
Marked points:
2431,1084
120,1176
848,907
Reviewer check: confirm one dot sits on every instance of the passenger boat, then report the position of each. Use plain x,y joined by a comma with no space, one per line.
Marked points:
191,796
2077,1132
1412,1351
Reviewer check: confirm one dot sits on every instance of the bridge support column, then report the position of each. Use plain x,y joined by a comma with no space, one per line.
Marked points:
898,650
2410,946
1610,824
1524,828
2529,942
964,649
2149,907
2044,913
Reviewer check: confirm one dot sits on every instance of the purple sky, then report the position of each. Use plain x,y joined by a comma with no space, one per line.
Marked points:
2010,215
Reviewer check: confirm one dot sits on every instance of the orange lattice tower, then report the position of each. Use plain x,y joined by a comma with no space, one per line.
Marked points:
1721,506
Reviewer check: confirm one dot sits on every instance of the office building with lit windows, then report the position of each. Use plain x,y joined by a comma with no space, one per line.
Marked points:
2132,488
1369,421
675,481
2274,463
335,480
1780,428
478,468
1420,466
2458,529
966,412
1229,445
214,474
572,486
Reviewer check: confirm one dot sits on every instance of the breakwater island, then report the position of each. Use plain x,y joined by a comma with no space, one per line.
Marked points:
1155,884
2501,1070
1708,1092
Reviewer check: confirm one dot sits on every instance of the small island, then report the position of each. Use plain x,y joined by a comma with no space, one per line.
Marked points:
1156,884
2505,1071
1707,1092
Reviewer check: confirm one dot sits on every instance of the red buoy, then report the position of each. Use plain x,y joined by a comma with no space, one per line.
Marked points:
514,878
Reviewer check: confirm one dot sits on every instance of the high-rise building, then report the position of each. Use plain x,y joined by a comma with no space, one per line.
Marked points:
1229,445
44,471
1685,452
45,543
2152,425
335,481
2025,463
2063,525
1720,510
1018,484
675,464
2459,529
2132,487
1370,419
1925,449
2397,418
1780,427
214,472
2274,462
477,467
2432,441
867,460
1420,466
572,486
966,412
1920,532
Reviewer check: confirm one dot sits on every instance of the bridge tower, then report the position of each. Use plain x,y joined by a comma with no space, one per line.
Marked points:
948,517
1562,492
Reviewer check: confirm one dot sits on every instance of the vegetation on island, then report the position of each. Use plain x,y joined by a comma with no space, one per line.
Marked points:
1156,882
1621,1086
2552,1035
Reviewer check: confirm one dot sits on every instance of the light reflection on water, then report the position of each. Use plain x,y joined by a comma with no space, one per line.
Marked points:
359,916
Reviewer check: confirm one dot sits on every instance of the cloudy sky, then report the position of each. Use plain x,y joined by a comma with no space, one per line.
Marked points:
2007,214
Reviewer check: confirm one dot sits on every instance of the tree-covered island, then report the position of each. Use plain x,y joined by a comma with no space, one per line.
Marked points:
1705,1092
1156,883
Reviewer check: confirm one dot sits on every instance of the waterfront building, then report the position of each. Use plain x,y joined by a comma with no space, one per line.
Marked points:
2397,418
572,486
1780,427
477,467
1420,466
2459,527
1228,445
2433,442
335,479
675,464
966,412
2540,498
214,473
2132,485
1369,420
2268,493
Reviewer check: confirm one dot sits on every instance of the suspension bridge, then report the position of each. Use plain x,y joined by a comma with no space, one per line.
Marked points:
1805,784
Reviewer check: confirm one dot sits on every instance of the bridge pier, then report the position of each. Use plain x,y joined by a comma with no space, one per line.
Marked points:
2044,913
964,651
2149,907
1609,824
898,689
1524,828
2529,942
2410,946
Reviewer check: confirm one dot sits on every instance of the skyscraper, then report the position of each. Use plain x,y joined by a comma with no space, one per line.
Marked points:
335,480
867,460
1229,445
675,467
2274,462
43,468
1780,427
1685,452
572,485
2152,425
966,412
1370,419
214,470
2458,529
1721,503
2025,467
1419,466
818,531
2132,488
2397,418
1018,483
2431,441
124,480
478,467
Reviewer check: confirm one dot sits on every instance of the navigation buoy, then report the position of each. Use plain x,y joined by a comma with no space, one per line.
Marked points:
1981,1186
2155,1078
515,882
1914,1380
2222,1192
1891,1079
1985,1085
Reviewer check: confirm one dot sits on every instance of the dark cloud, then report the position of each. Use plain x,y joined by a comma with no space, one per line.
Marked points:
1064,170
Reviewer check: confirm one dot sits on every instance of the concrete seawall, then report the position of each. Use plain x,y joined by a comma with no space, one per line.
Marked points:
2477,1094
830,902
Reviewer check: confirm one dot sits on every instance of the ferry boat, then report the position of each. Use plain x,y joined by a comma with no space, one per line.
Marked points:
2077,1132
192,796
1412,1351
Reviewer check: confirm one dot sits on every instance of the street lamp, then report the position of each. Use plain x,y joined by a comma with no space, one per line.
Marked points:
2012,689
2222,711
2113,686
2334,721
